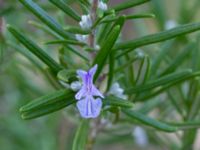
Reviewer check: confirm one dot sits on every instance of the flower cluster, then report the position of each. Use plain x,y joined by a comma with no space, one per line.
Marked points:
89,97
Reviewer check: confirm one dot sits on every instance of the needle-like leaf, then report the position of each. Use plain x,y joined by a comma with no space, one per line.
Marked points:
35,49
150,121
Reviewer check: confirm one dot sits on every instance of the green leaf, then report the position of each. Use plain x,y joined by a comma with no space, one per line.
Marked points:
125,65
46,100
66,75
35,49
103,31
26,54
176,105
128,4
128,17
185,125
107,45
106,49
76,52
140,70
158,37
44,28
130,72
147,71
5,11
72,42
111,69
47,109
76,30
81,136
51,76
178,59
162,53
44,17
118,102
47,104
167,86
67,9
149,121
171,78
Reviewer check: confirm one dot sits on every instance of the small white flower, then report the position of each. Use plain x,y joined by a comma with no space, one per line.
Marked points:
103,6
86,21
117,91
82,38
139,53
170,24
75,86
97,47
140,136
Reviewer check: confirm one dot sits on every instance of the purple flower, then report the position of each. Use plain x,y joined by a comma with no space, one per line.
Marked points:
88,105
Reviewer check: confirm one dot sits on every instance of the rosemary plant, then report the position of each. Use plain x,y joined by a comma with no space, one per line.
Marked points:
102,73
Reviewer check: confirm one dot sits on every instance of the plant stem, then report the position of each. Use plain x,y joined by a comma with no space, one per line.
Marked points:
92,35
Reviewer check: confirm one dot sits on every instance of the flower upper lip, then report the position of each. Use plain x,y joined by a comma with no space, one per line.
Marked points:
88,88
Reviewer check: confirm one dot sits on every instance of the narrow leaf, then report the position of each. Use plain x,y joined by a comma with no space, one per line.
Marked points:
167,86
76,30
160,82
118,102
128,17
47,104
66,75
35,49
67,9
158,37
72,42
107,45
164,50
111,69
44,17
178,60
128,4
47,100
149,121
47,109
106,49
81,135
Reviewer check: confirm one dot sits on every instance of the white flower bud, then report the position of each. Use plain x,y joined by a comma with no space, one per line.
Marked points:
82,38
86,21
170,24
117,91
140,136
75,86
103,6
97,47
139,53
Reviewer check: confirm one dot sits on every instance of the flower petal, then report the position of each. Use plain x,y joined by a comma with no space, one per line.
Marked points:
89,107
93,70
96,92
81,93
96,106
81,73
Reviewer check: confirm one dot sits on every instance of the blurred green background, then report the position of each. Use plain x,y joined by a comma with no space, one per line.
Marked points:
21,81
